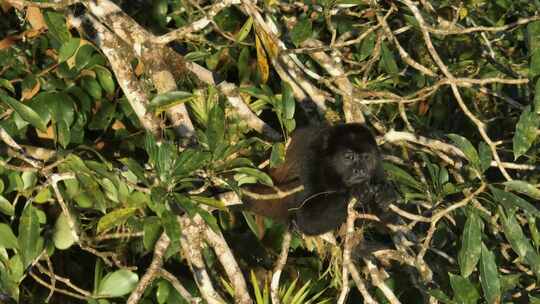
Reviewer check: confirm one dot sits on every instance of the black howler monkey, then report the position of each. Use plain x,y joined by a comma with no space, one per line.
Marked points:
324,167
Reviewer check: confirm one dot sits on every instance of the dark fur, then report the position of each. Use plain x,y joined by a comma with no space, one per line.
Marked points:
333,164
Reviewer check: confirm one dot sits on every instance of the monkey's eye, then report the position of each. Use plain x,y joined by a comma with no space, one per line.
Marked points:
350,155
365,156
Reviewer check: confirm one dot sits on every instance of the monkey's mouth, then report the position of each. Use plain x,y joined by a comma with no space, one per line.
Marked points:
355,180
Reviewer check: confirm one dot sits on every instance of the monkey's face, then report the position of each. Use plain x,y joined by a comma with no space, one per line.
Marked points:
354,167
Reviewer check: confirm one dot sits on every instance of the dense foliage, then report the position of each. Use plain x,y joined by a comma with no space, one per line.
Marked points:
89,181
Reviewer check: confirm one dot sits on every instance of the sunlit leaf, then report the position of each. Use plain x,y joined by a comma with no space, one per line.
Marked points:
24,111
262,60
68,49
105,79
511,201
117,283
259,175
56,23
523,187
244,31
7,238
467,148
166,100
114,218
63,236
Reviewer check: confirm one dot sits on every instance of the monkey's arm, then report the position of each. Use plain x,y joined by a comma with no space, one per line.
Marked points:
322,212
273,202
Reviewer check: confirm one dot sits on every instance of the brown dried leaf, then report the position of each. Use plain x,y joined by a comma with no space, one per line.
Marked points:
46,135
34,16
262,61
30,92
7,42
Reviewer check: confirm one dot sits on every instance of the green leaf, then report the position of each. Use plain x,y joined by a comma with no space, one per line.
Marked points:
91,86
172,228
519,242
244,31
287,99
514,234
277,156
166,100
29,235
290,124
56,23
6,84
301,31
110,189
244,70
261,176
366,48
103,117
24,111
464,290
526,132
7,238
63,134
42,104
511,201
388,62
117,284
135,199
533,35
401,176
208,201
489,276
43,196
105,79
114,218
6,207
68,49
471,240
163,291
467,148
535,233
537,97
151,231
63,236
524,187
29,179
196,56
62,107
84,56
215,131
134,167
83,200
256,288
485,156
